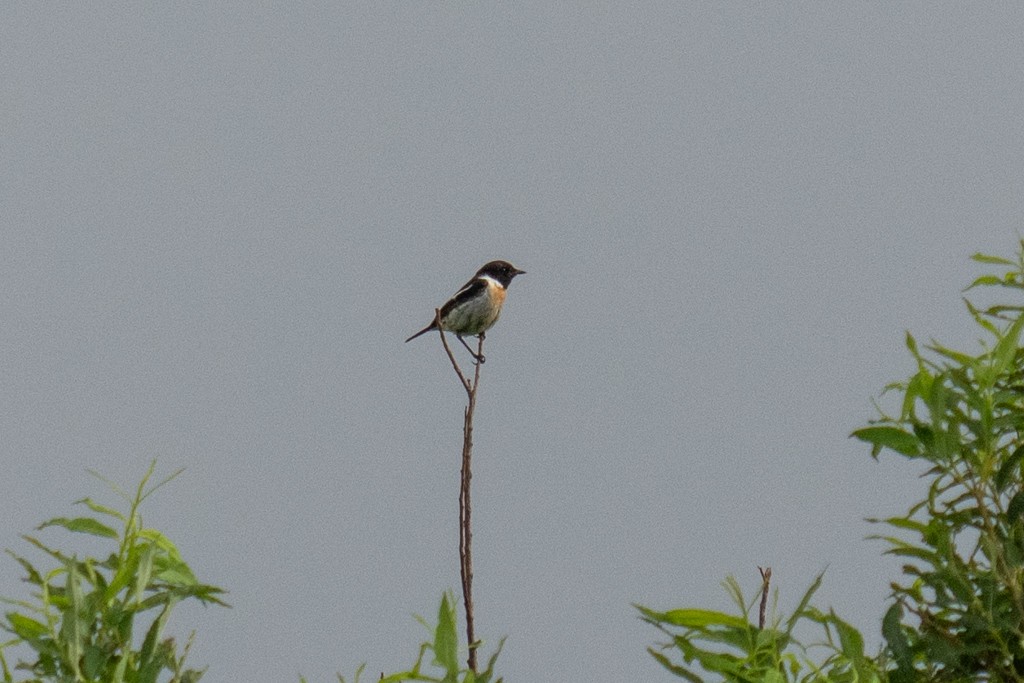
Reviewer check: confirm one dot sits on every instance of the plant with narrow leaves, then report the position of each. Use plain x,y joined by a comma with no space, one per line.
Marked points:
83,616
733,648
958,613
445,646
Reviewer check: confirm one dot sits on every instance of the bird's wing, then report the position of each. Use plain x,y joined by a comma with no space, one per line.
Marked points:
468,291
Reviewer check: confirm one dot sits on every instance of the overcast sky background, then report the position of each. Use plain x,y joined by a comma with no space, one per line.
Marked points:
221,221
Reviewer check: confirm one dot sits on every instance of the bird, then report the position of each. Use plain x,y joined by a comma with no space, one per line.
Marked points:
476,306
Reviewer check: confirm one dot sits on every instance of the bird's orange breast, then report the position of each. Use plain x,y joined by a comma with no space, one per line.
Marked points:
497,294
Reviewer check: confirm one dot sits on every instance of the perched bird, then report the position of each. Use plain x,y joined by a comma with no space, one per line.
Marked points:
476,307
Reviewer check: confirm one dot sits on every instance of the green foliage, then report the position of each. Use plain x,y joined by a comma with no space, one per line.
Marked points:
736,650
958,613
81,621
445,646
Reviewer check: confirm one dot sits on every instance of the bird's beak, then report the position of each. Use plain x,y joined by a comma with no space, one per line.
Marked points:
520,272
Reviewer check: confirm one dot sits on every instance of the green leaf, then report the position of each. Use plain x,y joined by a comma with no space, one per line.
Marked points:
1001,311
402,677
850,639
699,618
717,662
893,633
161,541
93,662
1006,350
1009,468
910,551
488,673
981,317
911,344
192,676
73,630
143,571
958,357
1015,507
173,572
82,525
985,281
26,628
33,575
102,509
122,666
804,601
680,671
892,438
904,523
986,258
446,642
150,657
918,387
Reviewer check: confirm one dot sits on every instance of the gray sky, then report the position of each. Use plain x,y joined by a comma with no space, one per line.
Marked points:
220,222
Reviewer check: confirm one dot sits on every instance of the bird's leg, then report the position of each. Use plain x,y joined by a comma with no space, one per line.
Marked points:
479,357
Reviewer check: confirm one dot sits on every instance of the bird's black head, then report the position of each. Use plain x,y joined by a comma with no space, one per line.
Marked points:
502,271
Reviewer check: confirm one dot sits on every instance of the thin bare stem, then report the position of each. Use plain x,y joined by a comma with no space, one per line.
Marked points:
465,503
466,530
447,349
465,519
766,579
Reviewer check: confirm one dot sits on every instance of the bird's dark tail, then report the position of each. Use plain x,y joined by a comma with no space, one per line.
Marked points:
428,328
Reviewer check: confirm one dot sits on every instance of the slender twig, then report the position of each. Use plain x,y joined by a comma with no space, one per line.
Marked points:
465,513
465,505
766,579
447,349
